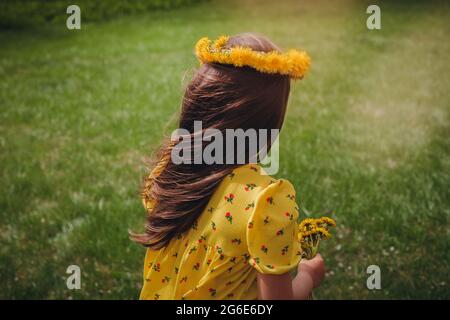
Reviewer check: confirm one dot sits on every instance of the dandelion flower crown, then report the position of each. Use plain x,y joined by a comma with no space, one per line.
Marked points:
293,63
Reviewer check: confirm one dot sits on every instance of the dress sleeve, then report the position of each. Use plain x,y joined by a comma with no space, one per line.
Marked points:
272,230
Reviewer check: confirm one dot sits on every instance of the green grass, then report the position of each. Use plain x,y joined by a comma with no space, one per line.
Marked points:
366,136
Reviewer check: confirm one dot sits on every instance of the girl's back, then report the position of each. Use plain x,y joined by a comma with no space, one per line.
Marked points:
249,225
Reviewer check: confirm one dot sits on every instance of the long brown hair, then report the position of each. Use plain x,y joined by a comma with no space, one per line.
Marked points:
222,97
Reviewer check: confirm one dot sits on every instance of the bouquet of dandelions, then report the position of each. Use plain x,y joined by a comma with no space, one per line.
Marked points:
311,232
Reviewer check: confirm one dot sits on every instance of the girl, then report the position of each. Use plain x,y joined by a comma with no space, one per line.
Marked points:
227,230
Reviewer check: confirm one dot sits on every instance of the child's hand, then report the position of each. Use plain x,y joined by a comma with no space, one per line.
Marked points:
315,268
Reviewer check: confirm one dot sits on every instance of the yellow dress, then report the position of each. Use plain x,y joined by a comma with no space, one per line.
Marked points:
249,226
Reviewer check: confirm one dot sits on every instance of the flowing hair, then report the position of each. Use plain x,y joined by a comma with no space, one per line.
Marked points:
222,97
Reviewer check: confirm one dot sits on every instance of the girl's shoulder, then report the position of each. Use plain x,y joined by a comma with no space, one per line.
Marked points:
252,177
250,173
245,197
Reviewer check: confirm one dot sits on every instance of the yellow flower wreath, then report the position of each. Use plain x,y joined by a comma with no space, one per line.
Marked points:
293,63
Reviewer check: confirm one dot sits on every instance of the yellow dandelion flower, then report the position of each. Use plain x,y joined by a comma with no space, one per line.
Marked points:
221,42
328,221
306,224
322,233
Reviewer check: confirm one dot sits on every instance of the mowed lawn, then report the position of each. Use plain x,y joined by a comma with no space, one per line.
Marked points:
366,140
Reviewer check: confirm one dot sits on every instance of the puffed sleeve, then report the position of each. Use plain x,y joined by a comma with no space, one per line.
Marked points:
272,230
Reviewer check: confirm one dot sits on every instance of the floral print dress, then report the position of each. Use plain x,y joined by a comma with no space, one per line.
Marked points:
249,226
